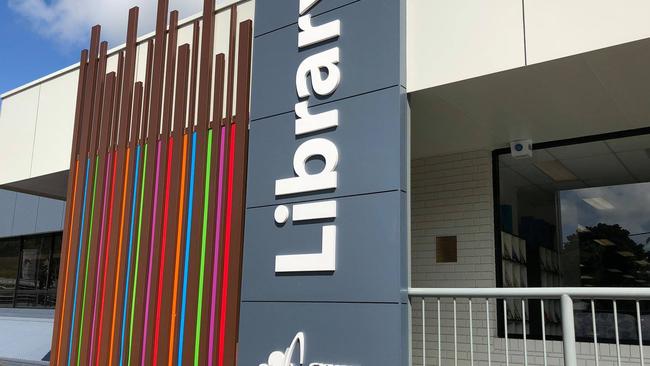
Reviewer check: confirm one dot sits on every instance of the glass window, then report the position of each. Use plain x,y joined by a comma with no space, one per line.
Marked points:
29,270
577,215
9,252
35,263
56,261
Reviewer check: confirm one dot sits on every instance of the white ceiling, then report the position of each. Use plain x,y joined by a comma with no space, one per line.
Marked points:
591,93
602,163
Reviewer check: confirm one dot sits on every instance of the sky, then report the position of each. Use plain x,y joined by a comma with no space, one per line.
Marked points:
629,203
40,37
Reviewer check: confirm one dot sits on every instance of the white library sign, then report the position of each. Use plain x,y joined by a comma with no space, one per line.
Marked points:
321,71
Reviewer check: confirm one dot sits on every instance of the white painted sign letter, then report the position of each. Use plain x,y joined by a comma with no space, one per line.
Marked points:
310,35
312,65
305,182
307,123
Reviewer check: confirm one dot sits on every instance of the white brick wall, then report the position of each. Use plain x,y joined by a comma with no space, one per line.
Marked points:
452,196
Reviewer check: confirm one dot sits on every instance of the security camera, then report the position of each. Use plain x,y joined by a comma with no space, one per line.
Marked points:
521,149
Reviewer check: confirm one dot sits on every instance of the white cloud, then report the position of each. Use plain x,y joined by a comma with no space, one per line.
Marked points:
631,203
69,21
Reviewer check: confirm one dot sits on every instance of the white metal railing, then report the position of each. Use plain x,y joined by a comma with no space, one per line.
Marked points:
424,297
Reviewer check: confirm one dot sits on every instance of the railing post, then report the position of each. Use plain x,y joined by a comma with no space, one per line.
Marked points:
568,331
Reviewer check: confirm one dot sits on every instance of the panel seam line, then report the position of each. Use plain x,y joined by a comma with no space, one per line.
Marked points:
31,160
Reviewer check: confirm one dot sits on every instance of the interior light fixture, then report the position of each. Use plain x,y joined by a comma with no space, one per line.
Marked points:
555,170
604,242
599,203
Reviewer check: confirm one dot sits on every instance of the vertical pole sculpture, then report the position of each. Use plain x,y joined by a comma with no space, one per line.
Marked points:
70,215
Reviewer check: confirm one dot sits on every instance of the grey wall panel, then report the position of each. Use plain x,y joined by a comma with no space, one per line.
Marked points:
405,138
369,58
25,214
7,207
50,215
371,121
338,334
62,222
367,260
404,245
356,314
281,13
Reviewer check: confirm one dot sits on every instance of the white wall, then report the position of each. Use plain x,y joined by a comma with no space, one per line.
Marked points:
452,195
36,129
52,138
559,28
17,128
452,40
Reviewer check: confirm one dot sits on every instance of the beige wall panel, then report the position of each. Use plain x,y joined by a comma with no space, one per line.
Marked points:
244,11
451,40
222,32
54,126
141,63
222,42
185,34
17,126
111,63
559,28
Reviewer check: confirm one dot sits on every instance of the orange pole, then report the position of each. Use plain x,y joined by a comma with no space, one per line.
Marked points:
67,261
179,237
119,257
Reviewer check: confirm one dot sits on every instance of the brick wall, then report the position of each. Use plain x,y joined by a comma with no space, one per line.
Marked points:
452,195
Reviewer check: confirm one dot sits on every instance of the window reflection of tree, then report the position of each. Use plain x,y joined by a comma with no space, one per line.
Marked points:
609,257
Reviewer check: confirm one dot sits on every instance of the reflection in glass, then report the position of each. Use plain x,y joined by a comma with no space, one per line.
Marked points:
35,263
9,252
583,212
56,260
29,270
608,227
608,230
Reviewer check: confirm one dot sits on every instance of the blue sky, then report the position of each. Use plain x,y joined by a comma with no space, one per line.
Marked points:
26,55
42,36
